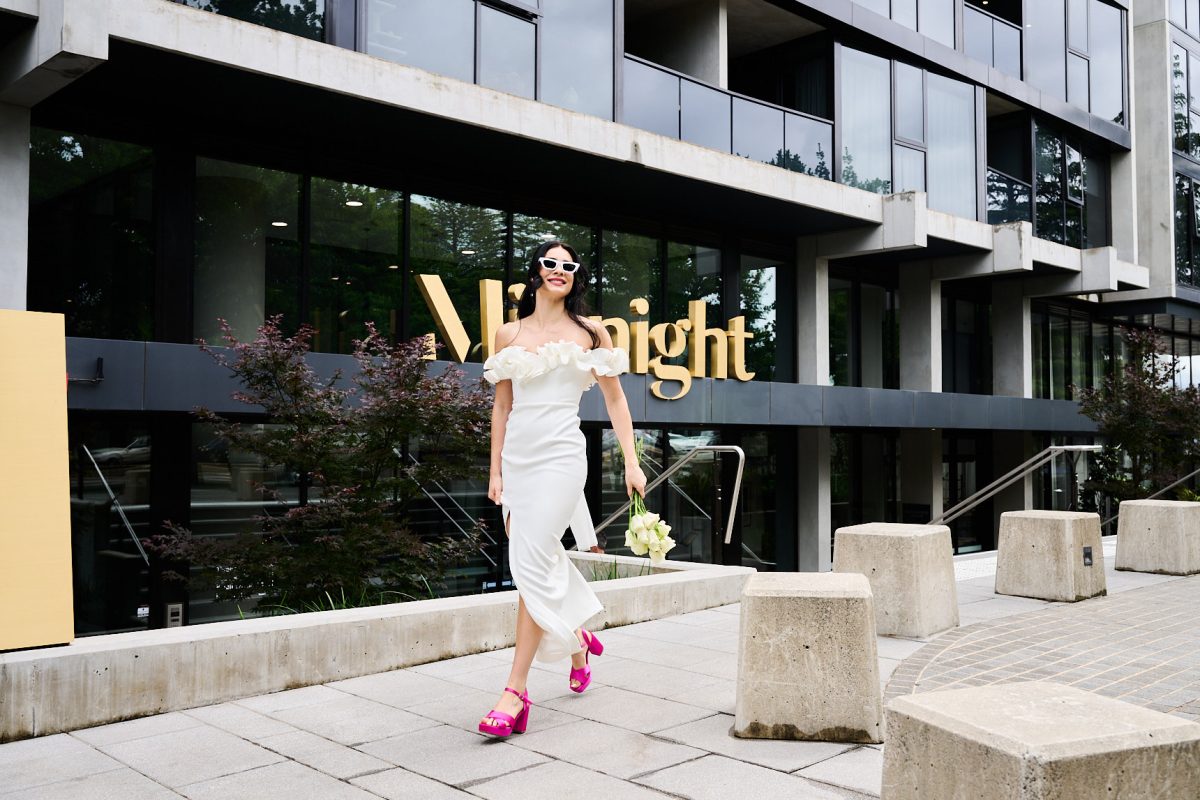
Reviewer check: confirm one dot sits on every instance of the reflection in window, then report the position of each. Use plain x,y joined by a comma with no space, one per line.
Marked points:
91,234
356,252
612,486
966,346
1049,186
866,121
301,17
1180,97
436,35
935,19
910,169
951,146
756,506
463,244
757,131
530,232
1045,51
758,290
1108,74
704,115
111,580
247,248
863,334
1184,231
631,269
577,59
650,99
230,491
506,52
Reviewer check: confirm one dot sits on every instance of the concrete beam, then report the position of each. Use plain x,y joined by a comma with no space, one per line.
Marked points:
1011,252
69,40
904,226
1099,271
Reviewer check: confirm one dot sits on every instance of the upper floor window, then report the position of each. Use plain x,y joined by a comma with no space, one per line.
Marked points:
1075,51
923,141
1185,89
300,17
1186,15
933,18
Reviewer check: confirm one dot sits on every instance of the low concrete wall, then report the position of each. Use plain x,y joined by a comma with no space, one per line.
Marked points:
103,679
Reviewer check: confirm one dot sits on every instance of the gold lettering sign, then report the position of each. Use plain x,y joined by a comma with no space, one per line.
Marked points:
711,352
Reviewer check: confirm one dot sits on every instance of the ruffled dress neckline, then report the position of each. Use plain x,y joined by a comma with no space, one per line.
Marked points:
518,363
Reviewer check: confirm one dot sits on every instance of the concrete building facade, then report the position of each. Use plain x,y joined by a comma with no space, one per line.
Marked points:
916,229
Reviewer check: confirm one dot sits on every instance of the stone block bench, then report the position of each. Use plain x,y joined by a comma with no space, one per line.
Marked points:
1036,741
911,570
1159,536
1050,555
807,666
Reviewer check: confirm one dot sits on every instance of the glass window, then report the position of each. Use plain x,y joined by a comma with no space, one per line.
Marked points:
1006,49
111,580
247,248
1183,228
1108,73
300,17
1038,353
436,35
91,234
577,56
1045,33
756,512
757,131
1081,348
841,369
758,290
612,486
1179,90
1077,25
1193,95
1101,353
807,145
977,35
631,268
529,232
866,121
1074,175
1060,338
693,273
704,116
1007,198
507,59
910,169
1178,13
462,244
1193,18
650,99
356,250
1048,187
1077,81
1095,201
878,6
935,19
951,165
910,103
905,12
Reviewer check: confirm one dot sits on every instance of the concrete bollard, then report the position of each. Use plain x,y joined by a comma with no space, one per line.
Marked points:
911,570
807,665
1050,555
1159,536
1036,741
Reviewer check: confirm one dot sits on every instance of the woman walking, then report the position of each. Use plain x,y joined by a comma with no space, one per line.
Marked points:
541,365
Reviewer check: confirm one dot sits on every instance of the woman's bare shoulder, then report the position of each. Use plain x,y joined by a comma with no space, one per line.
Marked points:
506,333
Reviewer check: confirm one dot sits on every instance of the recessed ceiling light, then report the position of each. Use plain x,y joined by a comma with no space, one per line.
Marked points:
334,278
393,266
279,224
354,203
468,252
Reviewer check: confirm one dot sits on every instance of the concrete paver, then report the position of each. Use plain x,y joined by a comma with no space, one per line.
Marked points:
655,722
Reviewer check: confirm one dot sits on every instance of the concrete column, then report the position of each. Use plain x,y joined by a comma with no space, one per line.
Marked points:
1012,341
921,476
812,314
920,328
814,535
14,206
1153,137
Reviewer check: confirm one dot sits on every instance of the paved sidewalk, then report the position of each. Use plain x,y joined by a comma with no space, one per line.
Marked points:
655,722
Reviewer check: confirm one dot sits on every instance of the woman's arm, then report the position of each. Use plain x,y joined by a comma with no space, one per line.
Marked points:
501,406
622,422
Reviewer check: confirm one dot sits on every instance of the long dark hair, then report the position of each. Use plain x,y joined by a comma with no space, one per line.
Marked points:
575,304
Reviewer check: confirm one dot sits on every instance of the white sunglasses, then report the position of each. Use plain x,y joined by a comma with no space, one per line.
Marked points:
558,265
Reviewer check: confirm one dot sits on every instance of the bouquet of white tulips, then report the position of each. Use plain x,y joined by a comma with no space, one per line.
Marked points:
647,531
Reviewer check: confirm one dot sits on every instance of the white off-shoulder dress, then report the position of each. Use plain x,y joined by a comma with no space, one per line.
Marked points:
543,466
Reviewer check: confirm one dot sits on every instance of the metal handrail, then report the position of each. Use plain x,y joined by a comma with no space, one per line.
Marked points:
441,508
1009,478
117,505
681,492
1160,492
662,476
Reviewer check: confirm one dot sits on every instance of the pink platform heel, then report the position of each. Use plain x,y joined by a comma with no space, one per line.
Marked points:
508,723
584,673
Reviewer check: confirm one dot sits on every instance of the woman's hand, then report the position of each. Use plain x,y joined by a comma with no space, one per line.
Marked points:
635,480
495,486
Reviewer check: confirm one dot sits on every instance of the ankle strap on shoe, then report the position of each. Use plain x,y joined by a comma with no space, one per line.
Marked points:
524,696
